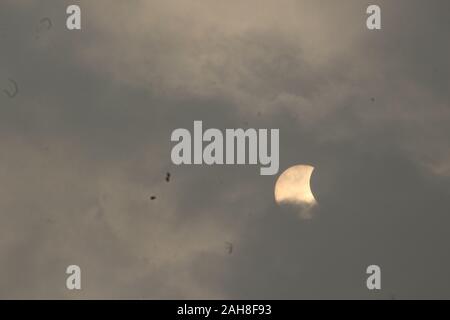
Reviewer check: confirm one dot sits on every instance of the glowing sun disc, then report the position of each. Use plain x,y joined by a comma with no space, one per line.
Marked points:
293,186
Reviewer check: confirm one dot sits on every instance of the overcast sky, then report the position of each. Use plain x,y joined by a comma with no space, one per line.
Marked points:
86,142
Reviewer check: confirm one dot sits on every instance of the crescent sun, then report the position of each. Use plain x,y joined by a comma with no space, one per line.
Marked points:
293,187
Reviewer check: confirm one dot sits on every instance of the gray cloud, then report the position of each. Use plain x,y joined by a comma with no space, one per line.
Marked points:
87,142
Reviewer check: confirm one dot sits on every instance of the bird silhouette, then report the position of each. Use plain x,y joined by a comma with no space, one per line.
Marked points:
229,247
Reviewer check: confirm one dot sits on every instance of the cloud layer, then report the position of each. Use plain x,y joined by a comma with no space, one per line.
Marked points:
87,142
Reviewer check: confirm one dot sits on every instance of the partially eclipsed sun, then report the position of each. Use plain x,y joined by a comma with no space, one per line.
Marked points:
293,187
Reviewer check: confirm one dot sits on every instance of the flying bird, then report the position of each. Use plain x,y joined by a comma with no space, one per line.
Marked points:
229,247
152,198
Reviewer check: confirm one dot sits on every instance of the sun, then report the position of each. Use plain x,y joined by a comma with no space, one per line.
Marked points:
293,187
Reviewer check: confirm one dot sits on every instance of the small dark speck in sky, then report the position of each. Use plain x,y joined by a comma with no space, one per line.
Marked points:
229,247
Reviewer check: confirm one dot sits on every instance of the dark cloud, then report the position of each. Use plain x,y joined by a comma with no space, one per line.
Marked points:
87,142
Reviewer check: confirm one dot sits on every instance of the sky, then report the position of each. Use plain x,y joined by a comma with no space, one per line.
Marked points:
86,143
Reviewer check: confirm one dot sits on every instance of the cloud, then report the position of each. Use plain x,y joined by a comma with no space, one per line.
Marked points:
87,141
